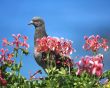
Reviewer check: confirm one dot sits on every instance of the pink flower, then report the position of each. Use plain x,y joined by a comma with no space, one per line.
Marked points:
5,57
91,64
60,46
19,41
24,43
94,43
83,65
97,69
5,42
16,42
104,44
3,54
42,45
98,65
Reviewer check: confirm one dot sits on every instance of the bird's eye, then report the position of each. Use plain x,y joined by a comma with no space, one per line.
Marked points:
37,23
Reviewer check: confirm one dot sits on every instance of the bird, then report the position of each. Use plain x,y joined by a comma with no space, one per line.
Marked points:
40,32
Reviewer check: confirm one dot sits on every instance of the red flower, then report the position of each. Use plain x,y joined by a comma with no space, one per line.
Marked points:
98,65
60,46
16,42
94,43
10,56
4,57
92,65
42,45
104,44
5,42
3,54
24,43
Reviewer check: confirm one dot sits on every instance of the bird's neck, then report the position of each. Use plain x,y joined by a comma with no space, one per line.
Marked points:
39,33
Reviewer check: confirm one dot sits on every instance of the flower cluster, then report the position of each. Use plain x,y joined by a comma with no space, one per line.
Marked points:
5,57
95,42
91,64
58,45
17,41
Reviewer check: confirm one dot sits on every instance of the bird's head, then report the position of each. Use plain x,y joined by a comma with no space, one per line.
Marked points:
36,21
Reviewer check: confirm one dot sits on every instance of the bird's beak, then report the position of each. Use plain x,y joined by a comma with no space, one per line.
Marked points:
30,23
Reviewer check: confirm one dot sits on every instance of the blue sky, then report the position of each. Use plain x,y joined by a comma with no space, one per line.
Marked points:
71,19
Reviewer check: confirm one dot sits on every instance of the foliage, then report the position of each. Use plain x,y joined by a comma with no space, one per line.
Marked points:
87,73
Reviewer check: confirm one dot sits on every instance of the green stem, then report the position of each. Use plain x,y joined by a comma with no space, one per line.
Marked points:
69,70
48,66
21,54
94,53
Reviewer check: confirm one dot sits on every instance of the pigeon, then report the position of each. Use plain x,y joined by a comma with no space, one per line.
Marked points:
40,32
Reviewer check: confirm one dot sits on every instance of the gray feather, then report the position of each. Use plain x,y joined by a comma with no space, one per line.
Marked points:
39,33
